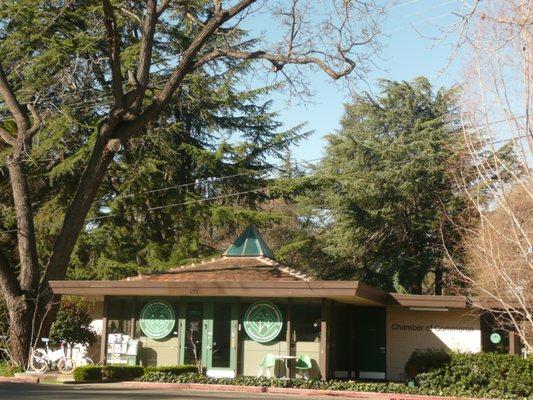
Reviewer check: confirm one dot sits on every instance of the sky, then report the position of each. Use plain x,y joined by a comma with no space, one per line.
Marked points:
409,51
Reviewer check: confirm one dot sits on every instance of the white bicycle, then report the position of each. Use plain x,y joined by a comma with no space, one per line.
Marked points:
43,359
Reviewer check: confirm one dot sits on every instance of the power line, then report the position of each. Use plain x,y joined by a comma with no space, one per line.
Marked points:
231,176
197,201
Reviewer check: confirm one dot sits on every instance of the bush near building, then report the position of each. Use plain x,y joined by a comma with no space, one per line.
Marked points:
480,375
126,372
489,375
426,360
87,373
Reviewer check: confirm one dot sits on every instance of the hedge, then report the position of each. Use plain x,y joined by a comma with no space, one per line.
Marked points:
426,360
121,372
480,375
388,387
125,372
491,375
87,373
174,369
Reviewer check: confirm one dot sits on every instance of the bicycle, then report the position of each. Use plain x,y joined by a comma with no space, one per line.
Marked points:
78,353
42,359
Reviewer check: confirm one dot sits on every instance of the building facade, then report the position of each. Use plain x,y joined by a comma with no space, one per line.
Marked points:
228,313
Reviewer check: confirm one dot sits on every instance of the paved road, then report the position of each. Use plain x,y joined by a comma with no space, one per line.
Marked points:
26,391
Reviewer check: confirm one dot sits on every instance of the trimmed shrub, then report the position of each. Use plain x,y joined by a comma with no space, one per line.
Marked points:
493,375
107,372
88,373
122,372
489,375
173,369
426,360
388,387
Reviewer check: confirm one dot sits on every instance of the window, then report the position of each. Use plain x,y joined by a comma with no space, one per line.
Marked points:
306,320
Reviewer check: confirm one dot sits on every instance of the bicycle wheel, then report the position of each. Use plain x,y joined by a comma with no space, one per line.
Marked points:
39,360
66,365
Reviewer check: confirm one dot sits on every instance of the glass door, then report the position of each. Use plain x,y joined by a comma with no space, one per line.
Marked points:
192,333
221,343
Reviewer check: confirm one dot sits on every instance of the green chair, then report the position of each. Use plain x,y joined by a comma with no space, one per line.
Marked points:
267,362
304,364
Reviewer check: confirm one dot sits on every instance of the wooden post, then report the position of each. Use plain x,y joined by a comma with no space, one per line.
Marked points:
514,343
133,318
288,338
103,339
324,339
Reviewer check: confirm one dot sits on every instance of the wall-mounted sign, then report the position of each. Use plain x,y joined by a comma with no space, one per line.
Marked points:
495,338
263,321
157,319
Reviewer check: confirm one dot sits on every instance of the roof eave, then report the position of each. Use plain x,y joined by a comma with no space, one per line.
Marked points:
427,301
350,291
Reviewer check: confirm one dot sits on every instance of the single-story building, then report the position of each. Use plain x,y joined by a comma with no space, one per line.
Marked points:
229,312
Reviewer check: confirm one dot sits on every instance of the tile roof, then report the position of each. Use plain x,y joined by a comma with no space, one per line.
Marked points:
240,268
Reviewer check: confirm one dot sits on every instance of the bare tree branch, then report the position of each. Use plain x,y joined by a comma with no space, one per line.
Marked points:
36,122
12,103
145,56
7,137
114,51
278,60
185,66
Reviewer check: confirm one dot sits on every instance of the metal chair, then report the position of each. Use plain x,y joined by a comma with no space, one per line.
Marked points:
304,364
267,362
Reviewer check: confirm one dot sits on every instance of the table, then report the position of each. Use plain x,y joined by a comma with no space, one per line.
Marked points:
285,358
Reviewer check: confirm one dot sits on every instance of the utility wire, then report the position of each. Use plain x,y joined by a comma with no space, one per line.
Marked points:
197,201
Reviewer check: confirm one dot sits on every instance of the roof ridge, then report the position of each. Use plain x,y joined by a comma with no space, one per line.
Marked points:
290,271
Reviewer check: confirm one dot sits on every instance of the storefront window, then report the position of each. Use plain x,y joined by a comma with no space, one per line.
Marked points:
306,319
252,352
119,312
494,337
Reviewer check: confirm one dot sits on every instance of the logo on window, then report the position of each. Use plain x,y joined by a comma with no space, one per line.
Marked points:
157,319
263,321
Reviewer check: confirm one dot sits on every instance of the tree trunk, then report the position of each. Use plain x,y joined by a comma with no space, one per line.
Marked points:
20,330
27,244
438,280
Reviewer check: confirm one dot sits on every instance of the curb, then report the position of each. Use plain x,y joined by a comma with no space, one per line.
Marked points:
19,379
290,391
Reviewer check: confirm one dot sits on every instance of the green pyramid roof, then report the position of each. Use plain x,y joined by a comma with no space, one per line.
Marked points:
249,244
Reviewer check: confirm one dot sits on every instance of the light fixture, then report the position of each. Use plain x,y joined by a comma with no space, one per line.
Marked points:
427,309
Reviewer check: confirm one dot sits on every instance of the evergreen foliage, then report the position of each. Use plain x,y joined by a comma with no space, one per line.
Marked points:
214,127
387,190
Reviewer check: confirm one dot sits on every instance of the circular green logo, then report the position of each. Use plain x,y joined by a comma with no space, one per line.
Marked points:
495,338
157,319
263,321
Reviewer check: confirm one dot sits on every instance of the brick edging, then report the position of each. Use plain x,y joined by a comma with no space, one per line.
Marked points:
19,379
293,391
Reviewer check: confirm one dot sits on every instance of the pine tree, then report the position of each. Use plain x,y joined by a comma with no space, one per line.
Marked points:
387,189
